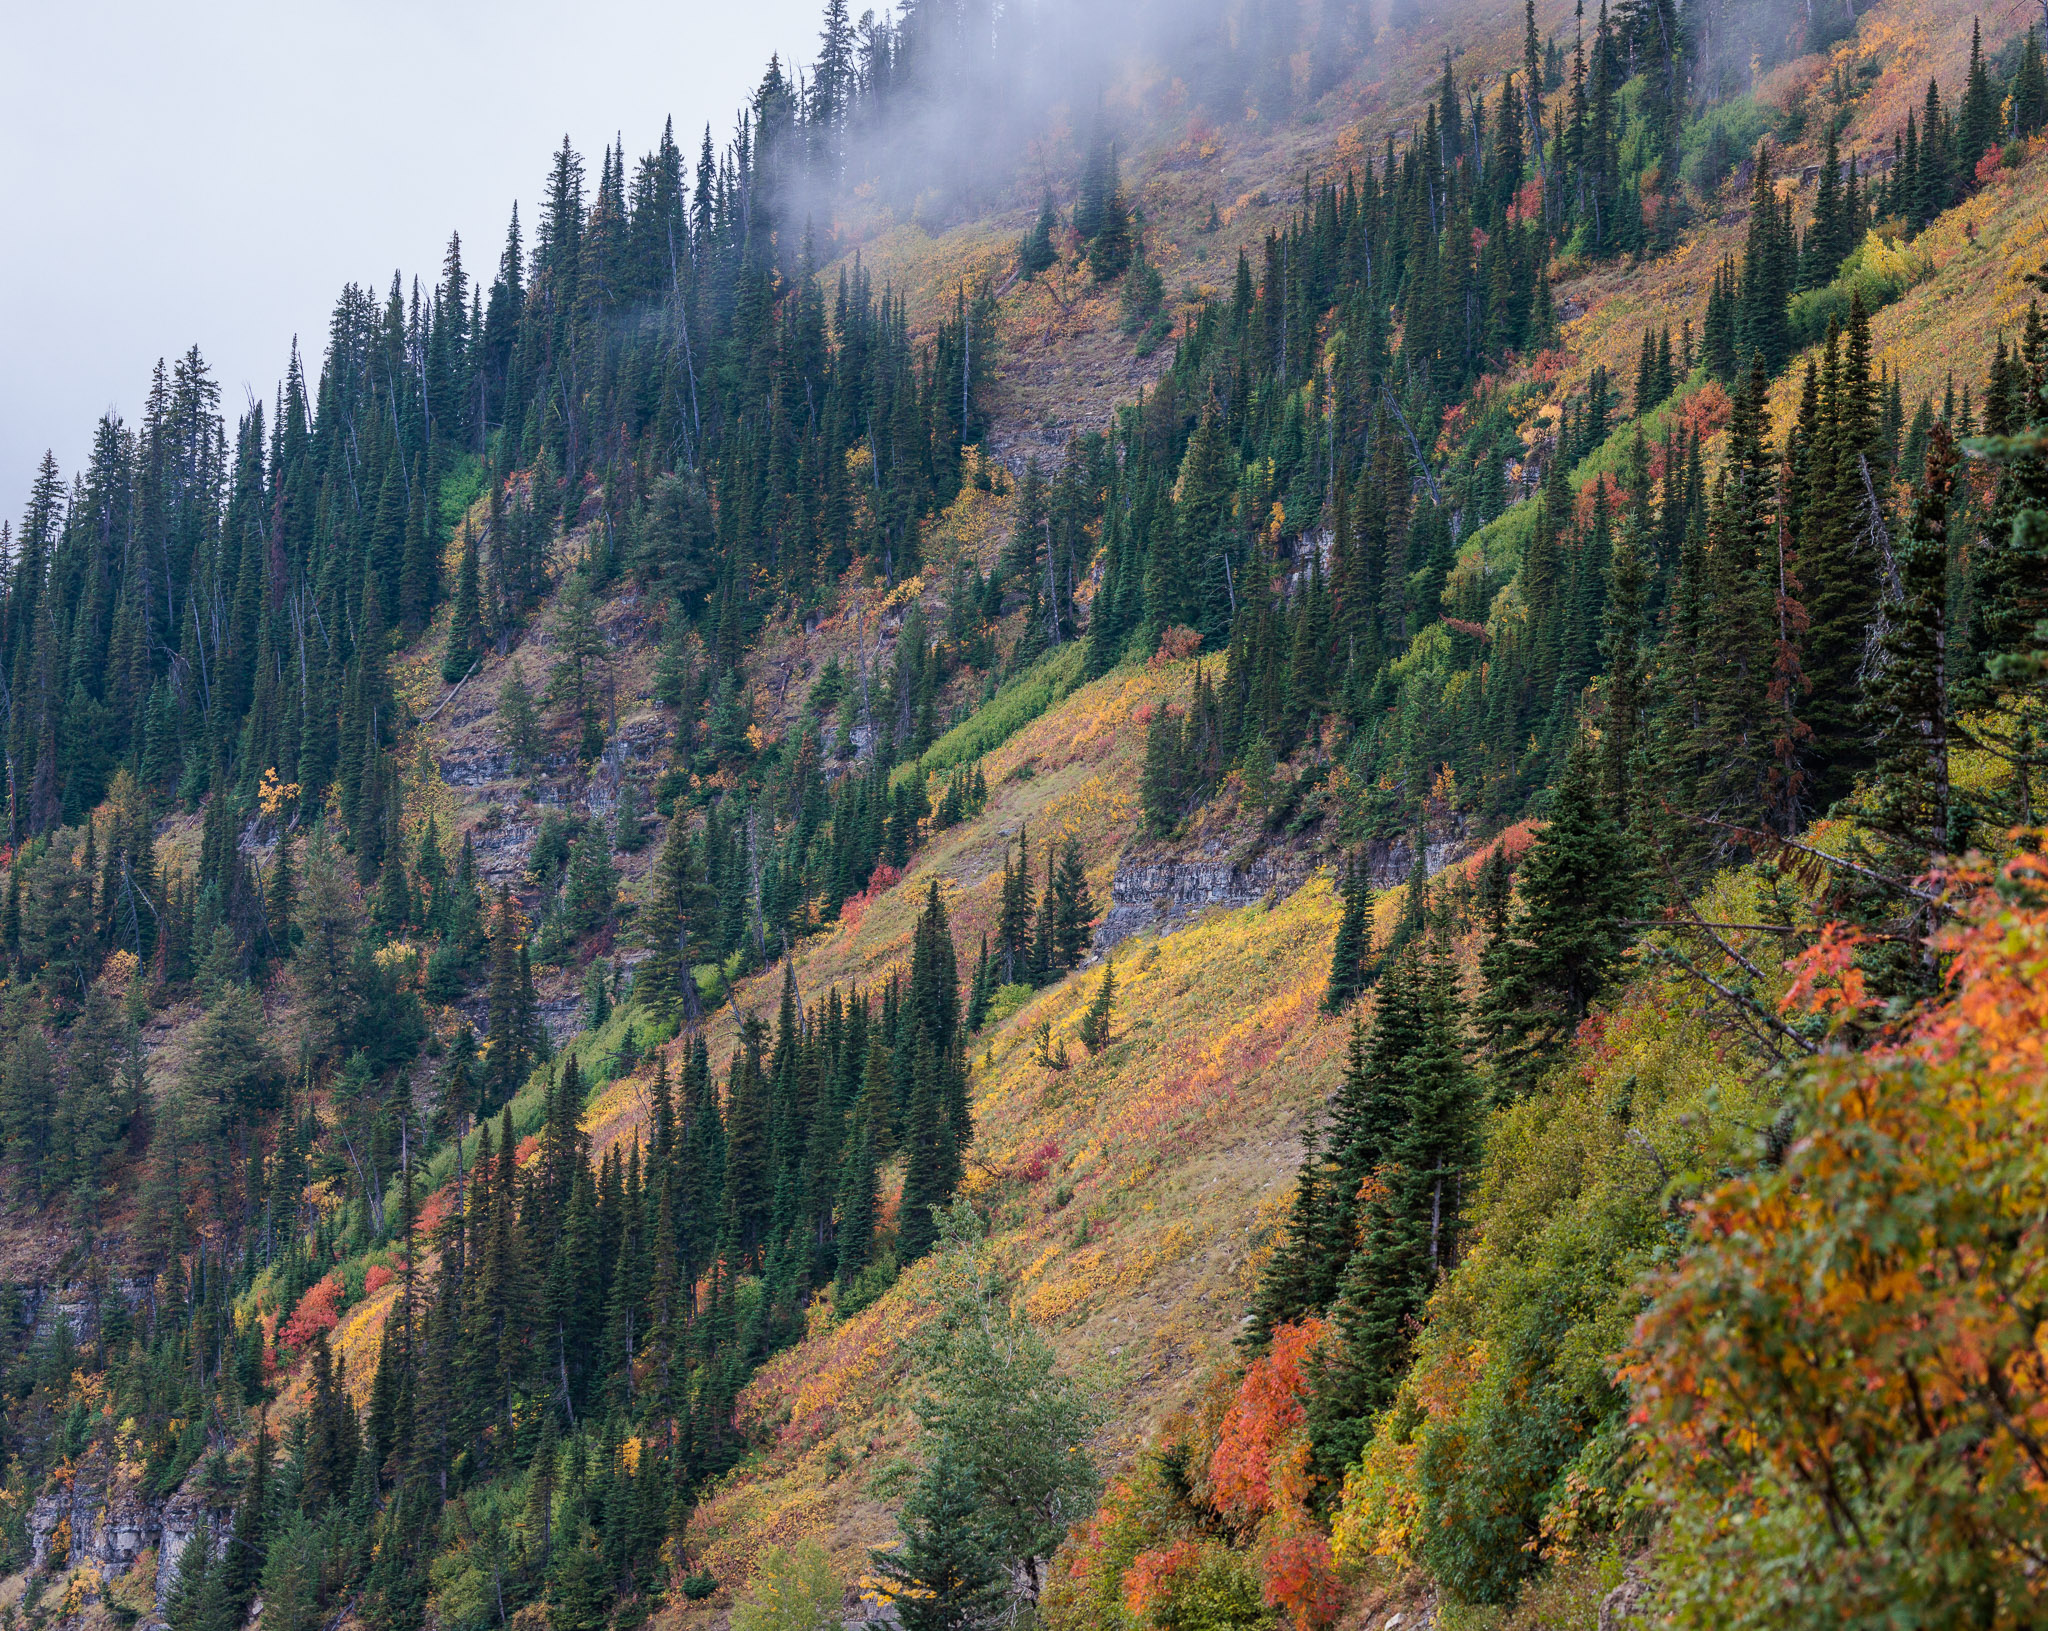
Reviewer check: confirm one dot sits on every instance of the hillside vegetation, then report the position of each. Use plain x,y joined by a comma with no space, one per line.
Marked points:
565,1055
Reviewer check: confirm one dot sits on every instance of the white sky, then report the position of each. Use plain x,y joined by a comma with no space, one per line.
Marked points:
214,172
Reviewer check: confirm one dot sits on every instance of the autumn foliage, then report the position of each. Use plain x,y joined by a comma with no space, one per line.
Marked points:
1254,1467
1843,1385
319,1310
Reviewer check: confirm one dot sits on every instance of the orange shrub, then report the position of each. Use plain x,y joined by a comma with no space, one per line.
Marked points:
1176,645
1707,410
1298,1576
1842,1387
1266,1413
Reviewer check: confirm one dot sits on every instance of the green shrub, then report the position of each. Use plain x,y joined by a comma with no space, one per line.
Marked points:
792,1590
1017,704
1878,269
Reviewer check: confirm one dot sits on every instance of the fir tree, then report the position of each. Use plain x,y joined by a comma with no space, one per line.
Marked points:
943,1574
1036,253
1578,886
518,724
1354,939
465,629
1097,1024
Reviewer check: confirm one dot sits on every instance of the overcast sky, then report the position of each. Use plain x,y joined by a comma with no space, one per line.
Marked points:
213,172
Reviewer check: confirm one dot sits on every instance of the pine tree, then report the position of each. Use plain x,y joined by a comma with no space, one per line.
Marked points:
1578,886
1036,252
1409,1225
857,1207
943,1575
928,1157
629,831
1909,698
1073,915
1111,249
518,724
1769,269
1159,789
507,1049
1354,939
678,903
2028,109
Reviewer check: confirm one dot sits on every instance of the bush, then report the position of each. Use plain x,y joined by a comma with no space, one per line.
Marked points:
1016,705
445,969
1195,1585
1878,270
792,1590
1839,1385
867,1287
1007,1000
1714,145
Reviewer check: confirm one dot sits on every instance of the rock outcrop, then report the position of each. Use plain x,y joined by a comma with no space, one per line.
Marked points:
90,1525
1159,887
1158,890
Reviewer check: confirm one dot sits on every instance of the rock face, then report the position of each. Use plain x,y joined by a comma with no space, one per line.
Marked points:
1159,891
41,1306
88,1527
1157,888
1390,860
183,1516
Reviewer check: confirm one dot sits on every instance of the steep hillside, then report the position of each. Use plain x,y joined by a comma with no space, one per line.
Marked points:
495,1016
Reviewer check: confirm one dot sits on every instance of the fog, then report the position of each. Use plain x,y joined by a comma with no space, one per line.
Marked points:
213,174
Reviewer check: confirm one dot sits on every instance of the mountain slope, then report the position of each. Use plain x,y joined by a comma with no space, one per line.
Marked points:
1400,676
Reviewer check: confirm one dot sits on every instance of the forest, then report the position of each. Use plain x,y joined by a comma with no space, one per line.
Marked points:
1729,709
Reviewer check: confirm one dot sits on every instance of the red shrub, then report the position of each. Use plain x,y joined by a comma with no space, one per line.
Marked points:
319,1310
1039,1162
1707,410
1151,1580
1177,644
1299,1577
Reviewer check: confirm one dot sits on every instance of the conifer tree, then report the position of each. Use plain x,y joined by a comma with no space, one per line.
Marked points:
518,724
943,1574
1578,886
1909,702
465,629
1354,939
1410,1224
1097,1025
1073,913
1036,252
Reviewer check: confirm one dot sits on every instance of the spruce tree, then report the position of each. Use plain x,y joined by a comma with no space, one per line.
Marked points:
1409,1229
1073,915
1036,253
1097,1025
1909,706
518,724
1578,886
678,903
1354,939
943,1574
